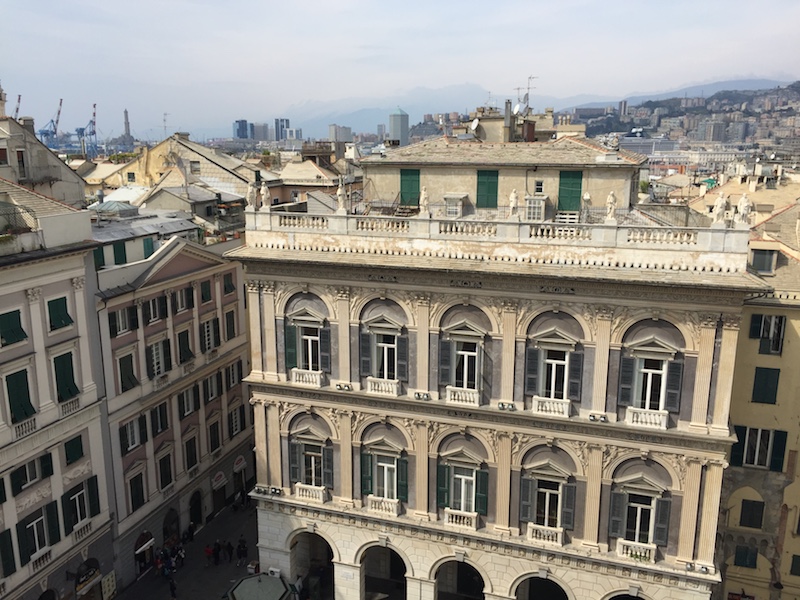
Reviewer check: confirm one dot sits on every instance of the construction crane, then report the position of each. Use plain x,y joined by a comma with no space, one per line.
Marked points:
16,110
88,136
49,134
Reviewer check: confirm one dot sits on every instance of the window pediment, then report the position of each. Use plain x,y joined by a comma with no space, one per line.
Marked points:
652,347
189,431
461,455
383,445
305,317
310,434
465,330
383,324
554,339
547,469
640,484
136,467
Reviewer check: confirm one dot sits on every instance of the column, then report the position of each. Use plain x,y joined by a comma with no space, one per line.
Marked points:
268,342
601,351
691,501
343,313
727,358
710,514
594,479
509,320
273,444
423,341
346,455
260,434
85,360
42,397
702,378
503,492
256,325
421,482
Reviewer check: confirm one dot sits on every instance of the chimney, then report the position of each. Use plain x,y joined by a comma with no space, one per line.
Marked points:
27,124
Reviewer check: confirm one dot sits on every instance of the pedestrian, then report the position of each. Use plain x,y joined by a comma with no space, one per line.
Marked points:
223,550
191,531
239,555
217,549
173,589
229,550
208,552
244,552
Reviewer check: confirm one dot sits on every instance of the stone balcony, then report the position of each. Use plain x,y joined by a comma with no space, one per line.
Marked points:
650,419
310,493
307,378
383,506
25,428
461,519
551,407
636,551
462,396
383,387
546,535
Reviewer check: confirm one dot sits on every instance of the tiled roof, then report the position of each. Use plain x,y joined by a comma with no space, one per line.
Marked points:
40,205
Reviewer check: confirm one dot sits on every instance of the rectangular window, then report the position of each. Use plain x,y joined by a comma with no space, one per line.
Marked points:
409,187
147,246
78,506
3,156
639,520
159,421
209,335
769,330
205,291
188,401
463,486
486,195
190,452
36,532
757,447
65,377
385,356
136,490
227,283
752,514
652,383
765,385
132,434
312,464
233,375
120,253
212,387
795,568
119,321
309,348
11,330
466,365
214,440
547,503
230,325
21,165
73,449
19,397
194,167
182,300
154,309
555,374
185,353
165,471
127,375
538,186
235,421
386,477
764,261
158,359
745,556
131,177
534,209
99,258
59,316
26,475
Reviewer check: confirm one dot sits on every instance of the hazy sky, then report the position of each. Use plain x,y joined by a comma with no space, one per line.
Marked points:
209,62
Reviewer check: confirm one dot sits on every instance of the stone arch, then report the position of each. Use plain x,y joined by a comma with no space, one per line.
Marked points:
376,543
625,595
487,582
529,317
292,416
439,312
733,506
290,298
488,448
512,590
624,328
615,468
357,308
362,428
316,531
541,449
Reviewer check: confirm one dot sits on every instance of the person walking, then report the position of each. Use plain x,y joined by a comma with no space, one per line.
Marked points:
173,589
224,550
239,554
216,551
208,552
229,550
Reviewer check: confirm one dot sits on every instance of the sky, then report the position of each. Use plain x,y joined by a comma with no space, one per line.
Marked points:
207,63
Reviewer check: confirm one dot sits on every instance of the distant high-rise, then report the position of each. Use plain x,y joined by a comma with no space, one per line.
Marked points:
623,107
339,133
381,132
240,129
293,133
260,132
398,127
281,125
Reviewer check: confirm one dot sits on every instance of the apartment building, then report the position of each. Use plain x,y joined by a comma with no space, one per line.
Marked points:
493,399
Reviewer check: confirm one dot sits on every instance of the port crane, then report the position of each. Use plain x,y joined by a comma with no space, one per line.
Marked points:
16,110
88,136
49,134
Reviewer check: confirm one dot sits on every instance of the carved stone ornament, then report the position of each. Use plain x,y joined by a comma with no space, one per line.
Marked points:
78,282
730,321
253,285
410,426
433,432
37,493
79,472
33,294
356,421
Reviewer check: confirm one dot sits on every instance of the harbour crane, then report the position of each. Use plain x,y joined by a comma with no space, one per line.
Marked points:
49,134
16,110
88,136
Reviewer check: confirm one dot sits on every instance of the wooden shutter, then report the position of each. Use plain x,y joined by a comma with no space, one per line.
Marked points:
442,486
295,456
230,426
402,479
482,492
327,467
778,450
133,318
672,401
167,355
532,371
527,499
290,344
755,326
486,365
568,491
242,421
365,354
53,524
737,451
189,297
765,385
7,553
661,528
203,342
67,512
143,429
325,349
366,473
18,477
2,490
402,357
112,324
148,359
215,330
445,359
174,302
196,396
123,440
146,316
162,307
22,542
616,519
627,368
575,375
46,465
182,405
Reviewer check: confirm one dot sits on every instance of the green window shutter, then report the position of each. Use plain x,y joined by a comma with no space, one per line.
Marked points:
2,490
57,311
148,360
527,499
19,396
133,318
147,246
65,377
18,478
765,385
366,473
482,492
402,358
123,440
672,401
93,491
112,324
142,429
409,187
327,467
11,330
167,352
230,426
190,297
147,315
73,449
616,520
215,332
531,371
778,450
486,194
295,457
230,325
661,528
68,513
445,358
325,349
755,326
99,258
127,377
53,524
203,342
402,479
442,486
290,344
46,465
205,291
196,396
569,190
23,543
627,370
575,375
568,491
365,354
162,307
120,255
7,558
737,451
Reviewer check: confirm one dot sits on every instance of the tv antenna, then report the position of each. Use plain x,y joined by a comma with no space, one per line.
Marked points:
165,125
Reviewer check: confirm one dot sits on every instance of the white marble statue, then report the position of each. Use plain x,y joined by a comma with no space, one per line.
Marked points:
340,197
720,206
513,202
611,205
424,200
743,209
251,194
265,200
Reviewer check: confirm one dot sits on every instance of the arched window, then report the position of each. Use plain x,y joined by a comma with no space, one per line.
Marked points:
383,352
307,340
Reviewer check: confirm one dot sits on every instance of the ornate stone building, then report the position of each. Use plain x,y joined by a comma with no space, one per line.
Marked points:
484,406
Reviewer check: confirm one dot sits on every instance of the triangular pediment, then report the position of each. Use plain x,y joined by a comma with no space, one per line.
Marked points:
309,433
554,338
461,455
383,445
305,316
640,483
464,328
546,469
381,323
652,347
175,259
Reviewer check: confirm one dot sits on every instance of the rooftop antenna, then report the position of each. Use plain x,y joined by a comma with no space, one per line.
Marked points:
165,125
16,110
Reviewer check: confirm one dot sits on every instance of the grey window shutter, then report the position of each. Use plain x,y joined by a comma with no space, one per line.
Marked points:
3,490
616,520
174,302
575,375
7,553
737,452
755,326
290,344
190,297
123,440
365,354
22,542
402,357
219,382
442,486
162,307
295,455
167,356
402,479
148,359
445,359
53,524
325,349
532,371
206,389
527,497
46,464
182,406
487,364
112,324
69,514
215,327
143,428
627,368
366,473
661,527
133,318
568,491
94,496
242,417
778,450
327,467
672,401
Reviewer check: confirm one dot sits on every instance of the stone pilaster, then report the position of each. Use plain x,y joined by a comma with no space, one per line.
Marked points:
594,478
347,582
343,311
260,433
269,341
420,589
602,349
273,437
423,341
346,456
691,502
509,317
421,471
502,500
727,358
85,359
709,514
702,378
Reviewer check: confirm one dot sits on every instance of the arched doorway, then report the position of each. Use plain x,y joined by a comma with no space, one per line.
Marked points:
87,580
196,508
171,529
458,581
143,551
536,588
48,595
383,574
312,560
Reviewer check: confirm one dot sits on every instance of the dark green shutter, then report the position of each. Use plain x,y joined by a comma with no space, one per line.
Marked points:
46,465
409,187
442,486
203,343
182,405
133,318
365,354
112,324
672,401
59,316
174,302
18,478
242,421
402,479
616,520
486,193
366,473
162,307
327,467
627,368
123,440
215,329
737,451
778,450
19,396
575,375
147,246
402,357
527,498
94,495
765,385
22,542
568,491
230,426
148,359
190,297
65,377
196,396
120,255
11,330
66,510
73,449
2,490
7,553
143,429
99,258
755,326
482,492
154,422
445,359
53,525
661,528
167,352
569,190
532,371
325,349
230,325
295,456
290,344
146,312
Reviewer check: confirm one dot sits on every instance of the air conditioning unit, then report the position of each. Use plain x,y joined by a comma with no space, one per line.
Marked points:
274,572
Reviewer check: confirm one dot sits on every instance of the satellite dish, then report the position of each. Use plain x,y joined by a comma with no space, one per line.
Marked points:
475,124
516,109
525,99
